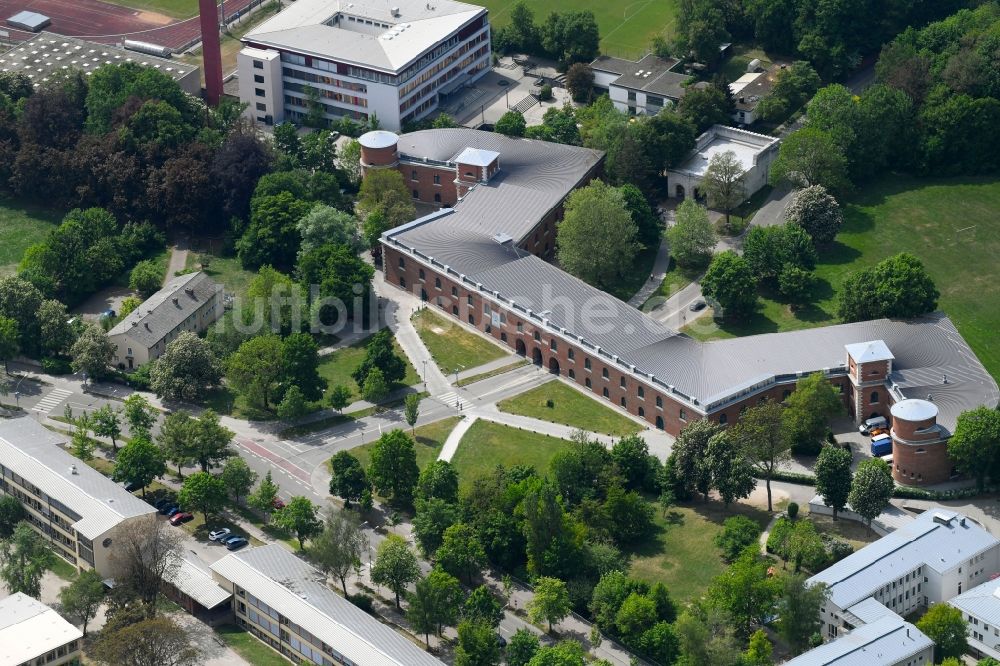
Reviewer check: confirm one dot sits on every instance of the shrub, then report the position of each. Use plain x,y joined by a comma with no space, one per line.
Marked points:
362,601
550,403
737,533
546,93
778,538
837,549
56,366
793,510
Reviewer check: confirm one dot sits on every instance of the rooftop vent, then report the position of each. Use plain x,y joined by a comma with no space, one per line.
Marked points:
395,11
147,326
72,469
943,519
189,291
175,300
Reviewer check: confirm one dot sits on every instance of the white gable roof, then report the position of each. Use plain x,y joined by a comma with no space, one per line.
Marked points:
869,352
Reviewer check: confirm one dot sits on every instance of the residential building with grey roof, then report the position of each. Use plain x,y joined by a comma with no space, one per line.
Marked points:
980,607
32,634
190,302
78,509
887,641
287,604
367,59
481,258
641,87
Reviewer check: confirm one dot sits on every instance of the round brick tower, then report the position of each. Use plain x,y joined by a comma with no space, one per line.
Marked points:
378,150
919,445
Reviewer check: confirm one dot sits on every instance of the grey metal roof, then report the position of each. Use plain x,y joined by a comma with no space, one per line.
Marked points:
869,610
194,580
34,452
982,601
476,157
159,314
914,409
307,26
378,139
939,539
534,177
298,591
887,641
48,54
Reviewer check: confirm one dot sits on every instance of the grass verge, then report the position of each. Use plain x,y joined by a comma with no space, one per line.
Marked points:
487,444
465,381
557,403
248,647
452,347
428,441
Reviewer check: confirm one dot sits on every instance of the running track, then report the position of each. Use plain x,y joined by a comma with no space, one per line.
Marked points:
108,24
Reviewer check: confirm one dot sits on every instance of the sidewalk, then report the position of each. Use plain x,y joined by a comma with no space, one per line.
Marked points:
656,275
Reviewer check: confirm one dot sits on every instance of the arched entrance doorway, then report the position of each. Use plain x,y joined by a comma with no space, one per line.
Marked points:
659,422
554,365
519,348
536,356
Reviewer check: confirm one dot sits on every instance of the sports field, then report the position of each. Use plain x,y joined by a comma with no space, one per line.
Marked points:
626,26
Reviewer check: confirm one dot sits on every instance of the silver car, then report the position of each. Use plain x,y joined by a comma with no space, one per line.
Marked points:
220,534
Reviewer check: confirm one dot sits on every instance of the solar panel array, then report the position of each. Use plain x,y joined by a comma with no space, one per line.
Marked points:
47,55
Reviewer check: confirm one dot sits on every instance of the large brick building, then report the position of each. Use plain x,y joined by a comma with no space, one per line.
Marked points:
479,258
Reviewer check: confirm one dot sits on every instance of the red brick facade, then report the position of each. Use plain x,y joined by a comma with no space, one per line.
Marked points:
592,371
919,458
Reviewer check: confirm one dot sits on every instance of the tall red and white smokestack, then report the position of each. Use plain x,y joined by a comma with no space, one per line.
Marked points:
210,51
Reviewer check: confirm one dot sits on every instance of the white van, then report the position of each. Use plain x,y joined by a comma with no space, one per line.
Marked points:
874,422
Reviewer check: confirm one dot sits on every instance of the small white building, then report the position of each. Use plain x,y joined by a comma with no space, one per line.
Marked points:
755,152
980,607
365,59
639,87
31,634
748,91
190,302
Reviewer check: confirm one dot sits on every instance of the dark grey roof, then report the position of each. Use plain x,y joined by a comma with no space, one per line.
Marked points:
926,350
159,315
707,375
657,75
534,177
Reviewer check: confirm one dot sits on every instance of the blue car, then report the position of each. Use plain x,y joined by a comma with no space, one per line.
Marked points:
173,511
166,507
236,543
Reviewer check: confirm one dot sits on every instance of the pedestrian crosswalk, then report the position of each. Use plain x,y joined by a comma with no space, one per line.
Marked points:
49,402
451,398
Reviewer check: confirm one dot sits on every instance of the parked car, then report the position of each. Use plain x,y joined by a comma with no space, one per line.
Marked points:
173,511
220,534
881,445
278,503
130,486
231,537
162,502
236,544
181,517
874,422
167,507
697,306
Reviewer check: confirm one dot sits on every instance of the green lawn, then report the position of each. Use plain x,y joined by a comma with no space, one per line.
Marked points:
949,223
173,8
227,270
465,381
488,444
21,226
248,647
681,553
569,407
742,54
64,569
626,26
429,440
452,347
336,368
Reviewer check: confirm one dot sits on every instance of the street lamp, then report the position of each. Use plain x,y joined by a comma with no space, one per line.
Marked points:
425,373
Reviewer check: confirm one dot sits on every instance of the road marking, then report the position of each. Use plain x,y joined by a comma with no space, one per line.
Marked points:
292,469
50,401
450,398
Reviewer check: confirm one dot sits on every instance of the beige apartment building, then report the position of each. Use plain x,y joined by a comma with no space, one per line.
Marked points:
190,302
78,509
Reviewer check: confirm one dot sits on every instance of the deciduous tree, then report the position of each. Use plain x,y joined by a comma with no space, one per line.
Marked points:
92,352
299,518
395,566
761,436
897,287
140,461
808,157
871,489
580,82
799,611
142,556
808,412
153,642
145,278
434,516
264,497
975,444
209,443
511,123
82,598
460,553
257,368
477,645
945,625
338,547
816,211
24,559
833,477
393,469
11,513
186,370
723,182
438,479
106,422
730,282
203,492
597,237
692,237
550,602
745,591
690,455
139,415
238,478
732,474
